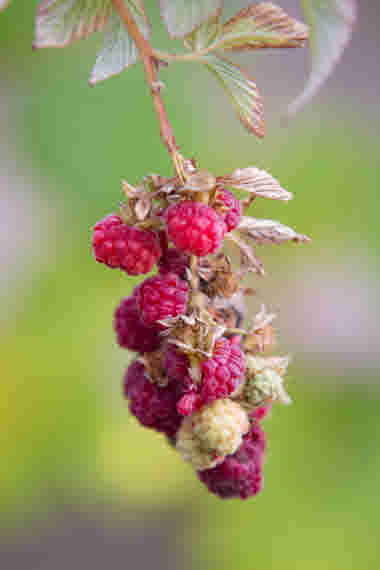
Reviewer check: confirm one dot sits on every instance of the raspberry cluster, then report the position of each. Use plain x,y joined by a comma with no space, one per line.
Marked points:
196,378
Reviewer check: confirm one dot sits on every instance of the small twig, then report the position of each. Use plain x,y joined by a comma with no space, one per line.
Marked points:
149,59
237,331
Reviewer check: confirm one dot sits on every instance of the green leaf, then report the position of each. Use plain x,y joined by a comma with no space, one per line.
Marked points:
331,24
263,25
61,22
204,35
242,91
119,50
182,17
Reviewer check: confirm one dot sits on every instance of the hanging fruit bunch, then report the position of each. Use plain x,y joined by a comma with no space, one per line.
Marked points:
199,378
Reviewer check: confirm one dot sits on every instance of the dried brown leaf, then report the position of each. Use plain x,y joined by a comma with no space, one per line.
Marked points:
257,182
143,207
248,260
269,231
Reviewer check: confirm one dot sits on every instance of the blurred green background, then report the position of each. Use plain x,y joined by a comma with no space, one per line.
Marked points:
80,482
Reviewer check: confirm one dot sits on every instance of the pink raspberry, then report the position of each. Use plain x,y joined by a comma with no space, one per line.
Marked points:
240,474
118,245
233,216
131,331
260,413
153,406
195,228
160,297
173,261
221,376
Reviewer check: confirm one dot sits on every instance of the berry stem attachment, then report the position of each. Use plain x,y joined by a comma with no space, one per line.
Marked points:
195,299
150,69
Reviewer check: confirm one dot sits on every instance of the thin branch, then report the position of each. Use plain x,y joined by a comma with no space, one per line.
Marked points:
149,60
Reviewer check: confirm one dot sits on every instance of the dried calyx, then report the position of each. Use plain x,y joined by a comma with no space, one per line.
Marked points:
199,377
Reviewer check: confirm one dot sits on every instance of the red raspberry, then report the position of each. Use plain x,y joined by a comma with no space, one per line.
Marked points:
176,364
131,332
221,376
240,474
260,413
173,261
195,228
160,297
223,373
153,406
177,369
118,245
233,216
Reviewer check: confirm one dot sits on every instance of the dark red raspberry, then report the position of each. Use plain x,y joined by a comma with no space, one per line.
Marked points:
118,245
233,216
131,331
173,261
176,364
195,228
221,376
153,406
240,474
160,297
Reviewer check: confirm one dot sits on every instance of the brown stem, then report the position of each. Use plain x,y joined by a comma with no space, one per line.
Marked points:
148,60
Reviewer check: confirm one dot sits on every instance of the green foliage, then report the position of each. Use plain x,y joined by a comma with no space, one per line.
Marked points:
119,50
259,26
182,17
331,22
242,92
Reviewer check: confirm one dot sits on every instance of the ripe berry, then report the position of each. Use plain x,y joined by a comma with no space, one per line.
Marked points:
221,375
195,228
153,406
118,245
231,217
240,474
160,297
173,261
176,364
131,331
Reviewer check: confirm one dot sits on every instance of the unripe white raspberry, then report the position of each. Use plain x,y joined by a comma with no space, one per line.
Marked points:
207,436
264,382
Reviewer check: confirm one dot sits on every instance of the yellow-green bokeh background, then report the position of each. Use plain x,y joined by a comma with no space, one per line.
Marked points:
67,440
